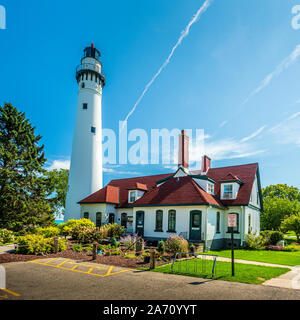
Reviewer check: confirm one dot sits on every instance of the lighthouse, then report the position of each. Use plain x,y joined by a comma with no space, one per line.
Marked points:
85,175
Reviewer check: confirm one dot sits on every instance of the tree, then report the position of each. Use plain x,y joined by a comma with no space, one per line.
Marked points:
57,186
276,210
292,223
23,200
279,201
281,191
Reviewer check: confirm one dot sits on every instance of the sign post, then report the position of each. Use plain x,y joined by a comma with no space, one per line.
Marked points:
232,222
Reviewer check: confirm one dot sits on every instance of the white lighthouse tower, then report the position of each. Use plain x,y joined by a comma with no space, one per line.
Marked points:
86,161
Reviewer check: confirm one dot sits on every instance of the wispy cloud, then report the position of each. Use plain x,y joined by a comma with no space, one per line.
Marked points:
223,123
254,134
59,164
227,148
286,63
184,34
119,172
288,130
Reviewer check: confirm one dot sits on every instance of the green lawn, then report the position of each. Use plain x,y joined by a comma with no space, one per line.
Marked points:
243,273
276,257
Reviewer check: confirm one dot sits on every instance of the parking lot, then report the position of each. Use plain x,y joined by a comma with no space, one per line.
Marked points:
64,279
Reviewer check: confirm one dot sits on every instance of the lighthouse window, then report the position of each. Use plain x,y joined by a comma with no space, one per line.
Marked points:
92,77
86,78
93,129
82,85
84,106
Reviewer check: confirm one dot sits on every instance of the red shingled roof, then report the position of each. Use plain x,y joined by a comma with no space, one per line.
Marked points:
246,174
108,194
173,191
183,190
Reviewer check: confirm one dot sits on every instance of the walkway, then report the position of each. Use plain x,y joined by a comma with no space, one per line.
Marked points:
290,280
7,249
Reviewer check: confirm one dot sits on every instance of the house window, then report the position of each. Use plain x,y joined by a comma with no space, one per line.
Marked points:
84,106
124,220
86,215
132,196
171,221
98,219
235,229
228,191
93,129
218,222
111,218
159,221
210,188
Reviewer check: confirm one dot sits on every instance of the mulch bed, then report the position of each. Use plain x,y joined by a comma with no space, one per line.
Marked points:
116,260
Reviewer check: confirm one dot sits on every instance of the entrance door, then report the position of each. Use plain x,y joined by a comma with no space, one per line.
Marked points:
195,225
140,215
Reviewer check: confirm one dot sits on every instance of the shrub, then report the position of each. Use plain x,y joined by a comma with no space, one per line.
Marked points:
48,232
292,248
130,256
116,252
272,237
6,236
254,242
85,234
66,227
114,242
112,230
128,241
77,247
88,248
175,244
274,248
161,247
34,244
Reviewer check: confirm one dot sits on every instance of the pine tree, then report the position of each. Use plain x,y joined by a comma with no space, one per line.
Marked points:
23,186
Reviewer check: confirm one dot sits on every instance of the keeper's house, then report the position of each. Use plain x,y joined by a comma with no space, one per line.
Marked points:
194,204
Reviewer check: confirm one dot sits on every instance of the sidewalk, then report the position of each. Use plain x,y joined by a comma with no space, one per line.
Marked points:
7,249
290,280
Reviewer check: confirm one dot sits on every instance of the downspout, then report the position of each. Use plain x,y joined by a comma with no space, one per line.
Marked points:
205,234
243,225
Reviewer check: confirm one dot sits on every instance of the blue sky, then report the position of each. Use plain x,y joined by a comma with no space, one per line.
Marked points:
235,49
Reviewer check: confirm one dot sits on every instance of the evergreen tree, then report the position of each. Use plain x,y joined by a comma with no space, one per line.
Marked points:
23,186
57,181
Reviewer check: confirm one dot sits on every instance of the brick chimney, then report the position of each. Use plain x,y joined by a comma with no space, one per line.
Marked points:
183,150
206,164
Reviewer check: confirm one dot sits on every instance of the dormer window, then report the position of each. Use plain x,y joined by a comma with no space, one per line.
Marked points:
132,196
210,188
227,191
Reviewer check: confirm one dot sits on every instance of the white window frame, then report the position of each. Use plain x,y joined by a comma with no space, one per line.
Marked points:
223,191
129,196
211,188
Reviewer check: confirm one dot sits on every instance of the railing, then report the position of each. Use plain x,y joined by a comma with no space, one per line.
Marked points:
197,263
89,66
94,68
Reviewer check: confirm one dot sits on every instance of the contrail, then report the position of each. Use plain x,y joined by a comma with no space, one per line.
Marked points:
184,33
287,62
